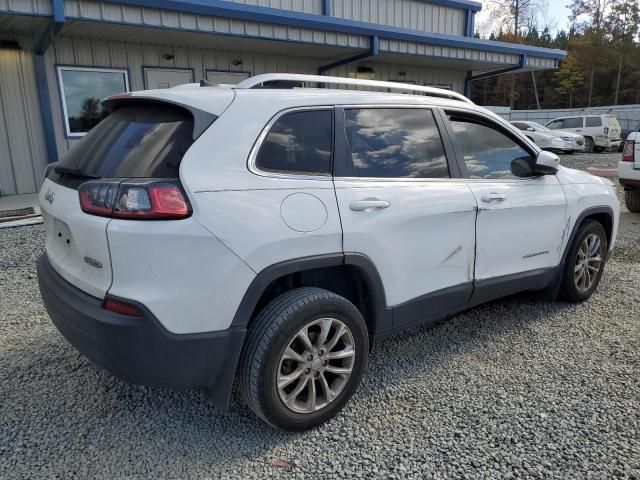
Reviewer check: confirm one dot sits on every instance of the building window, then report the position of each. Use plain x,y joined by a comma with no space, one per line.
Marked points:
82,90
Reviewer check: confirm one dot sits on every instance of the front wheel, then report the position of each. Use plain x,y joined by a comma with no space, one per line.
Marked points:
585,262
304,357
588,145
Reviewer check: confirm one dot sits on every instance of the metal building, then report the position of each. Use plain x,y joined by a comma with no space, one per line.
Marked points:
59,57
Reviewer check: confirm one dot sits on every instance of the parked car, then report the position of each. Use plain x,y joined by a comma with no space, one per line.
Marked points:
548,139
204,233
600,132
629,171
624,134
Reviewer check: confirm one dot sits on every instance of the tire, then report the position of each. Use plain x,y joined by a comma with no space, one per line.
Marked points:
632,200
588,144
598,149
571,288
263,360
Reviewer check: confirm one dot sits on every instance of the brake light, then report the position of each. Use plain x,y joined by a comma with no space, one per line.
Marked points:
138,199
606,130
121,307
627,152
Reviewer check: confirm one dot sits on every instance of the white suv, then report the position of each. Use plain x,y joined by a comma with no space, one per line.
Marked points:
600,132
271,234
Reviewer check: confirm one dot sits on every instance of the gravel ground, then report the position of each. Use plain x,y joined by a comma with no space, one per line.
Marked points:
517,388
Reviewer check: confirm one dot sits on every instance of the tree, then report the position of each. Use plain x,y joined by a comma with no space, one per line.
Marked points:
569,78
622,24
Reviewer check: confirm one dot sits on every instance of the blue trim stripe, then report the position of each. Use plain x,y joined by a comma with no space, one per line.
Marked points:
45,107
254,13
58,11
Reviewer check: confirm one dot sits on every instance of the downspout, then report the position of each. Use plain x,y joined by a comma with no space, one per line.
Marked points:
374,50
40,66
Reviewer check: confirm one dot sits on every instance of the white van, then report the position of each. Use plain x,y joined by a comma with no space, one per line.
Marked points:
599,131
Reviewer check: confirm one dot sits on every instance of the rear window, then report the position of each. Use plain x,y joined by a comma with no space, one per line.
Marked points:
142,140
593,122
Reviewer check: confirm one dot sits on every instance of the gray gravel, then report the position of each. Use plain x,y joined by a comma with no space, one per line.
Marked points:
517,388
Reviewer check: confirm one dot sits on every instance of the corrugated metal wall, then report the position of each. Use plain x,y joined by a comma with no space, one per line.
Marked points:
151,17
23,155
30,7
306,6
84,52
413,14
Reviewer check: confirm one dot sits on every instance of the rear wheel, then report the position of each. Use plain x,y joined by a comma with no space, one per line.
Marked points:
632,200
588,144
585,262
304,357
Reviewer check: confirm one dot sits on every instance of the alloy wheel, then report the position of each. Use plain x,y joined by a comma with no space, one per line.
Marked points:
588,262
316,365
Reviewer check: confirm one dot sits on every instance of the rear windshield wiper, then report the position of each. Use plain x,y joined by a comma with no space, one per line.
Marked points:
73,172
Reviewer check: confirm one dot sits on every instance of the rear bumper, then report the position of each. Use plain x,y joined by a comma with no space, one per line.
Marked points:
141,350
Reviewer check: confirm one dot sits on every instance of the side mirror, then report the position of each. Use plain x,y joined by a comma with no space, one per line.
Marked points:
547,163
531,129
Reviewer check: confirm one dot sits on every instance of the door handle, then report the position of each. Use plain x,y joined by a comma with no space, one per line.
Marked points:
493,197
368,204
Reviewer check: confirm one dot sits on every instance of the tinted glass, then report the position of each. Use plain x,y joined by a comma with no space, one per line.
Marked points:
135,141
556,124
394,143
299,142
83,90
572,122
488,153
593,122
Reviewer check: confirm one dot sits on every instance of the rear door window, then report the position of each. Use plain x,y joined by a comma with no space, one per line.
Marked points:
575,122
141,140
300,143
394,143
594,122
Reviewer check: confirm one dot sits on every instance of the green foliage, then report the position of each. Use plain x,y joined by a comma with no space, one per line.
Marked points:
602,66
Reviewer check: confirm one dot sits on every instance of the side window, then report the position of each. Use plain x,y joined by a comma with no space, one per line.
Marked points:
299,142
394,143
520,126
556,124
593,122
488,153
575,122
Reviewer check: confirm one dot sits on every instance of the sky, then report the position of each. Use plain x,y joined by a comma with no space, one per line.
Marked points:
557,16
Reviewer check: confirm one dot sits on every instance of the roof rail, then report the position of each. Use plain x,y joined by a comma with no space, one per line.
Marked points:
289,79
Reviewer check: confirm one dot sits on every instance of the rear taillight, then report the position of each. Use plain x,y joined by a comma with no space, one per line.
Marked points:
606,130
134,199
627,152
121,307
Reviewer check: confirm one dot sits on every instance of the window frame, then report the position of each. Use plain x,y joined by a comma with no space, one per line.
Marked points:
515,135
63,101
253,154
340,167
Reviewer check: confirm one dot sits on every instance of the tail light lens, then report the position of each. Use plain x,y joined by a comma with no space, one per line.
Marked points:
606,130
137,199
627,151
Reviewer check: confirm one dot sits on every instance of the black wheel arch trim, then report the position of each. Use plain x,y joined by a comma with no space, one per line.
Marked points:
382,317
554,288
